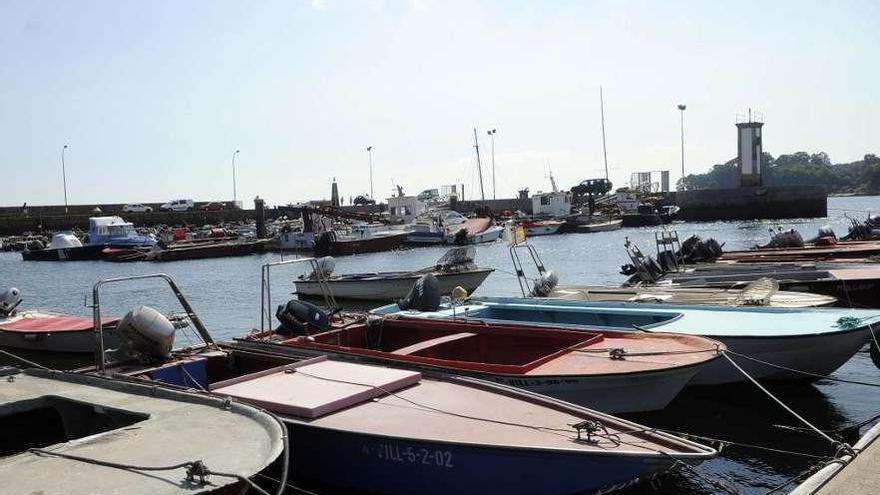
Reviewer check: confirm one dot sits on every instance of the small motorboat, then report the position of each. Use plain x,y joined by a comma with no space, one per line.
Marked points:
600,225
659,294
358,242
541,227
376,429
455,269
577,367
471,230
50,332
811,340
75,434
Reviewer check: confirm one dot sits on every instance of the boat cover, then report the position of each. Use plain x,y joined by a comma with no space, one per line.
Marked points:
51,323
315,387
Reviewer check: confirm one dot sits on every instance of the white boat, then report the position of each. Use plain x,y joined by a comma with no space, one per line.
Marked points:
49,332
455,268
541,227
60,431
600,226
813,340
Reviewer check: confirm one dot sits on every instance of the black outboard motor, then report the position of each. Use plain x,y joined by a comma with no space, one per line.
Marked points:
297,317
324,244
424,296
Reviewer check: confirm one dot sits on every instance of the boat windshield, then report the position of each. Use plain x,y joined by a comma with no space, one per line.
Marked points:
120,230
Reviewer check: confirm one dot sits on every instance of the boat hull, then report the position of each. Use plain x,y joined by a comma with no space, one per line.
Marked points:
425,238
600,227
394,465
82,341
367,245
218,250
819,354
79,253
389,289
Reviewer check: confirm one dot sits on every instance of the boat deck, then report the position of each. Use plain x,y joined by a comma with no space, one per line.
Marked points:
122,423
859,476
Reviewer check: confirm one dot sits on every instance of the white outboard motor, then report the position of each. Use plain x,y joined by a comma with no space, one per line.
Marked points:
146,333
9,300
325,267
545,285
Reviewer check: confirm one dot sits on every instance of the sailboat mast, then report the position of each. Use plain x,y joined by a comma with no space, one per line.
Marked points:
479,167
602,111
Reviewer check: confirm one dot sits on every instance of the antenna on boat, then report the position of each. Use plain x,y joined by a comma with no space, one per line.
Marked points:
479,166
602,113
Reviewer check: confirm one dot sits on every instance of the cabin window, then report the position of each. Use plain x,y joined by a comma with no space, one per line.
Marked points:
545,200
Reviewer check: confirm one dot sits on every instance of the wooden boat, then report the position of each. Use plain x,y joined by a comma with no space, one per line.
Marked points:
811,340
852,285
57,426
679,295
541,227
568,365
455,268
332,244
396,431
48,332
843,252
380,430
600,226
473,231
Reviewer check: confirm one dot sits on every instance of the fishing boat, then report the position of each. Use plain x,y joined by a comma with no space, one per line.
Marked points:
599,225
48,332
581,368
541,227
110,231
75,434
334,244
455,269
372,429
816,341
473,231
748,296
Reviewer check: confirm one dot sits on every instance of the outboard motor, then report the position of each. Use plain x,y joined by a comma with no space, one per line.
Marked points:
424,296
9,300
545,284
146,334
297,316
784,239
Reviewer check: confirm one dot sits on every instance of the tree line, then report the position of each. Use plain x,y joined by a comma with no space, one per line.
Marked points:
801,168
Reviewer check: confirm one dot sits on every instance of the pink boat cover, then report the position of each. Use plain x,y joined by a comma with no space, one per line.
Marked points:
316,387
52,323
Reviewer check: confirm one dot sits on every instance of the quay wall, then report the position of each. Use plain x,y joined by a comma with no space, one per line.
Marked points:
496,205
15,225
747,203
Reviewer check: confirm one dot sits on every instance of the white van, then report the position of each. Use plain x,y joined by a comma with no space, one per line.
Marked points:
178,205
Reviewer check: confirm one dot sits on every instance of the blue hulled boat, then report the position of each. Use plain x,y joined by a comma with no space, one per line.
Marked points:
816,341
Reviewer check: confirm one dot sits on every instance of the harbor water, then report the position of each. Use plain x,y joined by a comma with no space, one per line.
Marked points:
225,292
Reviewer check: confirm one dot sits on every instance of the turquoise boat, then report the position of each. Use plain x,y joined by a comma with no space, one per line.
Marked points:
813,341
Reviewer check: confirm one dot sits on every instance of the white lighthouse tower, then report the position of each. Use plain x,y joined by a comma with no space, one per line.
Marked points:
749,151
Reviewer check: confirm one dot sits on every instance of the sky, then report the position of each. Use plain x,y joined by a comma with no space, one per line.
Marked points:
153,97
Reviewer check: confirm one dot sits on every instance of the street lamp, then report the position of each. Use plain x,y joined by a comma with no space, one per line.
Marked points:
370,153
234,192
682,108
492,135
64,176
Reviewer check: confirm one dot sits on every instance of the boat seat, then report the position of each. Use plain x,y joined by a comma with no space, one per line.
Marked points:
420,346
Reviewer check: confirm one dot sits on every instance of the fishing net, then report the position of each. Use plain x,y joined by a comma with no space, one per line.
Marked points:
757,293
457,258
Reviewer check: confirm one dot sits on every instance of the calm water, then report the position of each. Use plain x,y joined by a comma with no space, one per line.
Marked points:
226,294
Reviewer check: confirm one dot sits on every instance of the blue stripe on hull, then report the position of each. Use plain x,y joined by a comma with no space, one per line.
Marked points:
395,466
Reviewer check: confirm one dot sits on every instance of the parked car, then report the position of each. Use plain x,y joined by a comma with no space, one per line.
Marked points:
363,200
213,206
178,205
137,208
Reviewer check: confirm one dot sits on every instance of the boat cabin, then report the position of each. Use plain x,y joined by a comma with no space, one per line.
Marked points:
114,230
405,209
551,204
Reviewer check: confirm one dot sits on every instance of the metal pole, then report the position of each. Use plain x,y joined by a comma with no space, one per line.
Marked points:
234,192
479,167
370,153
492,134
682,108
602,113
64,177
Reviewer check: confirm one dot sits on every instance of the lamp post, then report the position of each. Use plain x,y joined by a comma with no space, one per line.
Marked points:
234,192
682,107
370,153
64,176
492,135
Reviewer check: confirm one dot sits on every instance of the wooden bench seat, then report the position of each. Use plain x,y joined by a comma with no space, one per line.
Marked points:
418,346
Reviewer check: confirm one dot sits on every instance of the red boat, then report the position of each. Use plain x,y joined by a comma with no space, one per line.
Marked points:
38,331
613,372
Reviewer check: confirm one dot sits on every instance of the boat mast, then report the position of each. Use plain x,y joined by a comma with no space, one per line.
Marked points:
602,111
479,167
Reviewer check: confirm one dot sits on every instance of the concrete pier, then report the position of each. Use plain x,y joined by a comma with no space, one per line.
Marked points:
849,475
